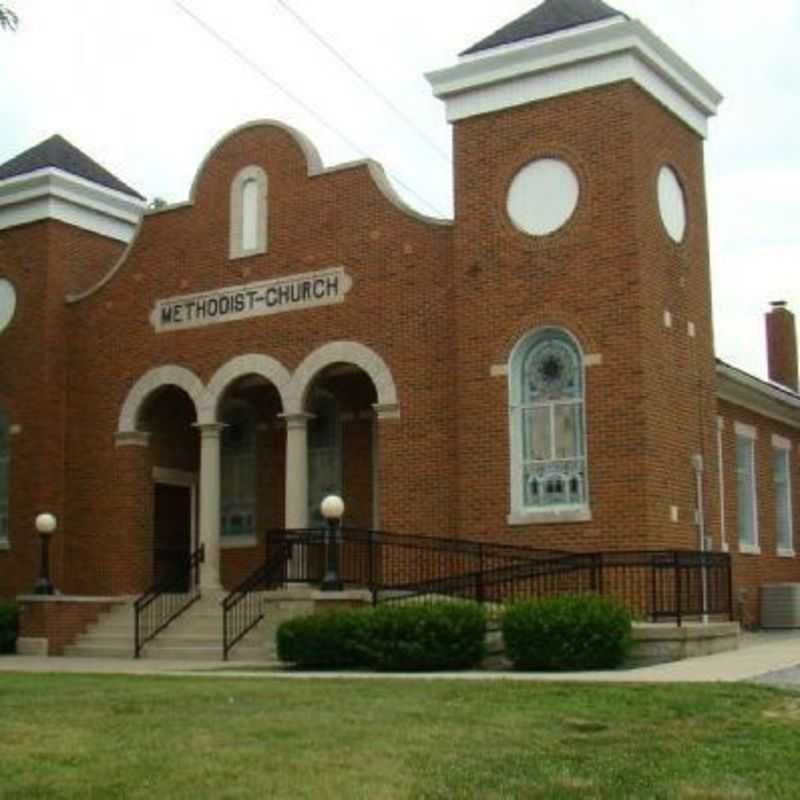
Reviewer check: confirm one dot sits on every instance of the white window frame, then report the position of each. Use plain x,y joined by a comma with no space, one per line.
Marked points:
721,472
749,434
5,487
239,247
782,447
519,513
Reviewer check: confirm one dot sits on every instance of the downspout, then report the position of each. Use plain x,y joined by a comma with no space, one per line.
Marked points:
697,465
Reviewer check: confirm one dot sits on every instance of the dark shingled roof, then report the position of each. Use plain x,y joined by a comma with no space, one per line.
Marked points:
59,153
549,17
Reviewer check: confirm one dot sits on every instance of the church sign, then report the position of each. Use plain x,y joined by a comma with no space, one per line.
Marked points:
309,290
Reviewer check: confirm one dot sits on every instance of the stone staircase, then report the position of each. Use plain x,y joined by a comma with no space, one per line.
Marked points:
195,636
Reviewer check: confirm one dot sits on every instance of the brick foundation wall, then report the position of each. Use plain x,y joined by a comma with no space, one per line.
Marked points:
60,621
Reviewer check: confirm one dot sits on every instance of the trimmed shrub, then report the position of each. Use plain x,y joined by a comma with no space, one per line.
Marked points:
427,636
582,632
323,641
9,615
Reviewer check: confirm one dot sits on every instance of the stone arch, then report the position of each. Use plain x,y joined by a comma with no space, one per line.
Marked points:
342,352
156,378
253,364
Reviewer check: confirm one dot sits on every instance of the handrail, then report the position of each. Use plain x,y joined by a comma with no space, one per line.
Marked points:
241,611
664,584
654,584
166,600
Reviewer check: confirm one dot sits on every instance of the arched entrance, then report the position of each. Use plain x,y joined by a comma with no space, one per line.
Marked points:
252,470
341,443
168,415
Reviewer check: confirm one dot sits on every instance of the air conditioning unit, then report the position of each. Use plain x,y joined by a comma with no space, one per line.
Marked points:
780,605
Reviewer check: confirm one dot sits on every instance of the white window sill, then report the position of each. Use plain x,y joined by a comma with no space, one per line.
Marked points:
238,542
551,516
782,553
750,549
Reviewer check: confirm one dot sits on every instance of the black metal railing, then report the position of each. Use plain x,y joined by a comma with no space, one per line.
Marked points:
654,585
377,560
167,599
395,568
243,609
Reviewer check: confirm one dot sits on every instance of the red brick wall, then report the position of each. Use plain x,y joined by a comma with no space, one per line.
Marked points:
60,622
782,347
752,571
400,288
440,305
607,276
43,260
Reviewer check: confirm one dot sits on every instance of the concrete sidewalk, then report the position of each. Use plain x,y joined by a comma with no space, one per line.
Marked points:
759,657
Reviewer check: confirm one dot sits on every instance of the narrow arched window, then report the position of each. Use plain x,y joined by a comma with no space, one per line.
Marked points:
239,470
249,213
5,459
547,425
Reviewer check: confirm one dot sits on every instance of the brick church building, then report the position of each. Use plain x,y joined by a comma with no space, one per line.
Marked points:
537,371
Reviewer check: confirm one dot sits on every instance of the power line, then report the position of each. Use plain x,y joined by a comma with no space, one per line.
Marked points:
294,98
371,86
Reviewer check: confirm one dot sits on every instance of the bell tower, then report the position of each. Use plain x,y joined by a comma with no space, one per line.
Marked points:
580,218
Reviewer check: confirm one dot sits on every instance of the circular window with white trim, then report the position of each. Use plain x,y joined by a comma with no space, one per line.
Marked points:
672,204
543,196
8,303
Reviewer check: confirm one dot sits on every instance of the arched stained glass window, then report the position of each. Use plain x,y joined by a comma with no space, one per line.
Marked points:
548,436
5,459
238,466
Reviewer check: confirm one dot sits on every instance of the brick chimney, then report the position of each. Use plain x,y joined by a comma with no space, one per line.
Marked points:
782,346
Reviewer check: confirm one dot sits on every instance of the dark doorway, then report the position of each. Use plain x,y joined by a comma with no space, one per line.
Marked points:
172,535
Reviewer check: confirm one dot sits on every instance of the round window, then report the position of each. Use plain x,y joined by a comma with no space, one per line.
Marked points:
8,303
543,196
671,204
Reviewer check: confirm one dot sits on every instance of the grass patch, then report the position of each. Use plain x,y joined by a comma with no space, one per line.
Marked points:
70,736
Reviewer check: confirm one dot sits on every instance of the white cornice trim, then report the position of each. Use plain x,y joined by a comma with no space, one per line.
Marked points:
51,193
748,392
573,60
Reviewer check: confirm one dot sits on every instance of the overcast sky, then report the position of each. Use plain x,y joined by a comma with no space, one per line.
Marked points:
146,91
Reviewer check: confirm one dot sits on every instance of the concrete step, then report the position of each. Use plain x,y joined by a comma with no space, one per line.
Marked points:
197,653
88,650
195,635
113,629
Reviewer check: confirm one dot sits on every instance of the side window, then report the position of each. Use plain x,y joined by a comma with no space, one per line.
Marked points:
249,213
782,484
747,517
547,424
5,459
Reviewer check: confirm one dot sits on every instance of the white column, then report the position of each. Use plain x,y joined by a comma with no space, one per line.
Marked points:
297,469
210,503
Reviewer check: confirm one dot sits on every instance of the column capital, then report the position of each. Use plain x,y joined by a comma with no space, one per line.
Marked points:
296,421
210,430
387,410
132,439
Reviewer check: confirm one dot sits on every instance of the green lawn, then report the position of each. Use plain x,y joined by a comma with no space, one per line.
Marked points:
66,736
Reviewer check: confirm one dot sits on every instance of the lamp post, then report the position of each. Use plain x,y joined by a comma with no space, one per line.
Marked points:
332,508
45,526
